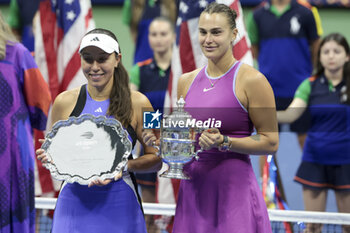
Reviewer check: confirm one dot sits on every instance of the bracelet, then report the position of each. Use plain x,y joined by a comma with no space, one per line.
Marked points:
225,145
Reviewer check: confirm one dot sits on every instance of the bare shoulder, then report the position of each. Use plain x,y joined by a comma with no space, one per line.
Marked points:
64,104
248,75
139,100
140,103
67,98
188,77
185,82
254,87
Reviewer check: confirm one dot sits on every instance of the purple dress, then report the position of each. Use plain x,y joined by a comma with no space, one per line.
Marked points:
99,209
22,108
223,194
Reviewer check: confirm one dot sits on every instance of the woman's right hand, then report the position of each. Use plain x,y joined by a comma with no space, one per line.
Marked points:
149,138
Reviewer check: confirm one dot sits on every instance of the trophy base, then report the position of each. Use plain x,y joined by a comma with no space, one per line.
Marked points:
175,171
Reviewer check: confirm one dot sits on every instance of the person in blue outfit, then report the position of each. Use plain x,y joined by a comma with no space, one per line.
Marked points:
104,205
285,37
20,19
138,15
326,157
151,77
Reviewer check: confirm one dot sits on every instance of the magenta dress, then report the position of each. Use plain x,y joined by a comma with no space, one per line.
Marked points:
223,194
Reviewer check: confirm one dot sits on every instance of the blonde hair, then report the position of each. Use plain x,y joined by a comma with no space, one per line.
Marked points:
6,36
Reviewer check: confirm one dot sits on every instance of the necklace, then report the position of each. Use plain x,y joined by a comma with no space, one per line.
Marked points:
213,83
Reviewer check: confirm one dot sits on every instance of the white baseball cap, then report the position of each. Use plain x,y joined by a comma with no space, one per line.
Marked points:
102,41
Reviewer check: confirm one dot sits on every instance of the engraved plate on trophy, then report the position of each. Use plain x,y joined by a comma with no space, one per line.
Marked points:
85,148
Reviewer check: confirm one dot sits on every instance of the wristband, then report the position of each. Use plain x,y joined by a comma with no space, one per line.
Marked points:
225,145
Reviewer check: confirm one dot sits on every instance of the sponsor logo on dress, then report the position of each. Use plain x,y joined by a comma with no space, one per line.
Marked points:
208,89
98,110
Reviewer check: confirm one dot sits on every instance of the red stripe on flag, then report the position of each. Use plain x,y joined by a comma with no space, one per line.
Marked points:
240,48
48,22
176,187
235,5
185,50
88,17
70,71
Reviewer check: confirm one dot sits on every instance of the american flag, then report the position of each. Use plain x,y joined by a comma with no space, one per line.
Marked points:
58,29
187,56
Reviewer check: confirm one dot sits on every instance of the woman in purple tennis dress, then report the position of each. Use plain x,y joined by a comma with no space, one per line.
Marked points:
104,205
223,194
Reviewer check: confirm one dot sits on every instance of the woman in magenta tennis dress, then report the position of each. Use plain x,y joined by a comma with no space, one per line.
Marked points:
223,194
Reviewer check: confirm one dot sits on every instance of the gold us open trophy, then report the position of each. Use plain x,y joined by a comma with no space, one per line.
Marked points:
177,141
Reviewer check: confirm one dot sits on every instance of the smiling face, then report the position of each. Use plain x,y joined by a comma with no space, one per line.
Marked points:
333,56
215,35
161,36
98,66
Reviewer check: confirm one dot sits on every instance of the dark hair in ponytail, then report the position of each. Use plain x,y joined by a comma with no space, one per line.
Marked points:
120,105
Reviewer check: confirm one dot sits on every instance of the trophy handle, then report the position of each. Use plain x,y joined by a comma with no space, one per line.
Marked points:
199,130
196,156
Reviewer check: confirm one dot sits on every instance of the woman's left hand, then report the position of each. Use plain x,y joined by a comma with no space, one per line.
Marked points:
100,182
210,138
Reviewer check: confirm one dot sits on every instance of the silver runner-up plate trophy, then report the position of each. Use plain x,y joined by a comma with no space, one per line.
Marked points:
85,148
177,141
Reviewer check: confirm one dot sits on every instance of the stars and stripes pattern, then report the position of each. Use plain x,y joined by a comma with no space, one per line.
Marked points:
59,28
